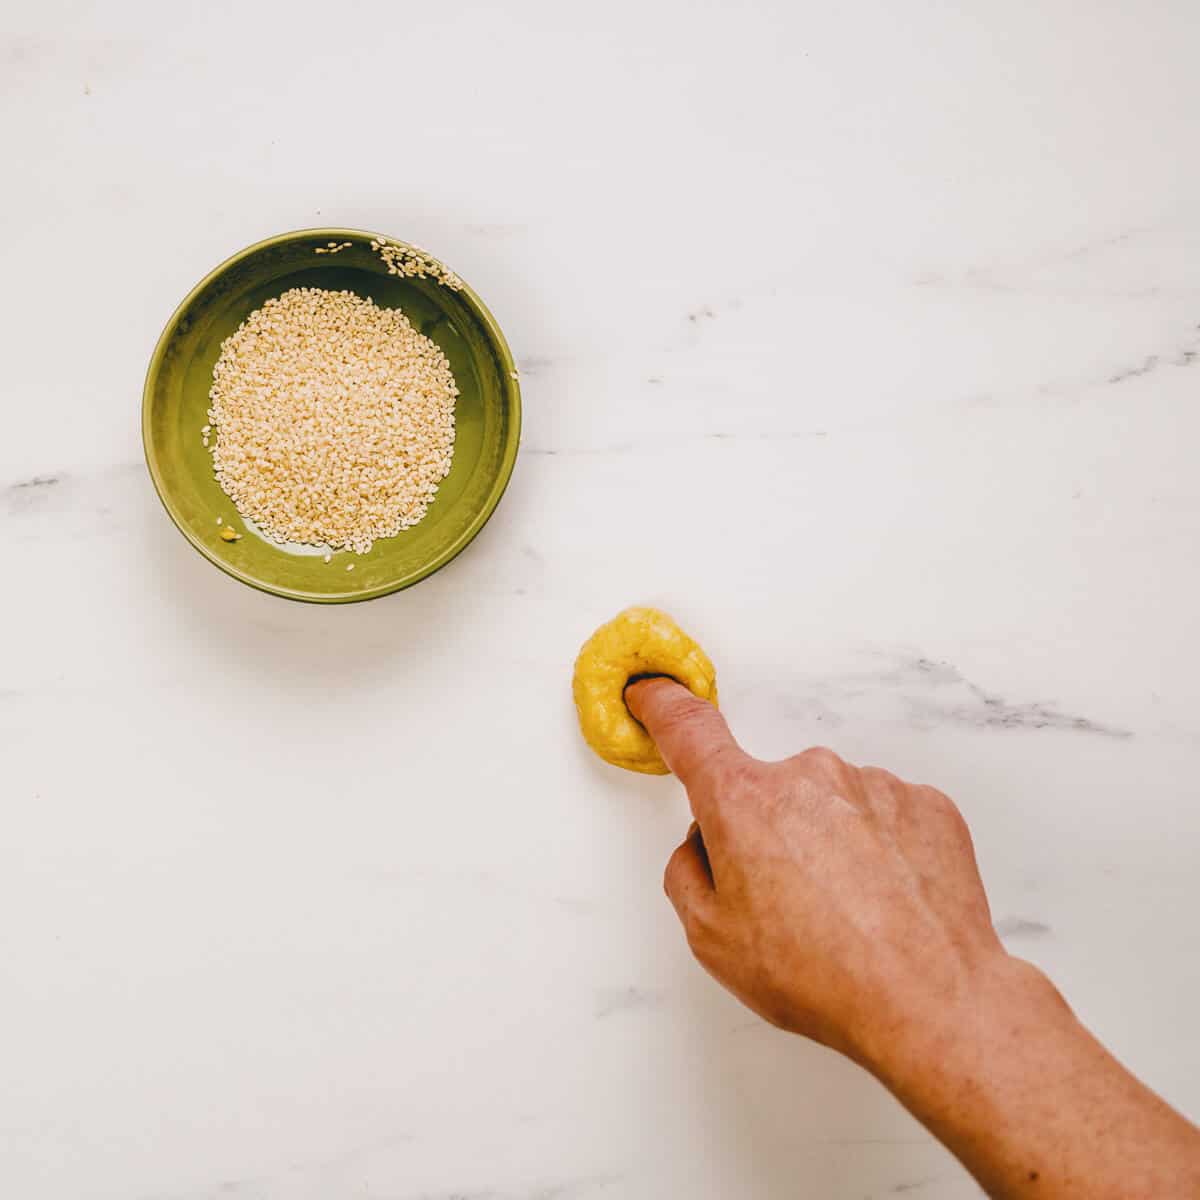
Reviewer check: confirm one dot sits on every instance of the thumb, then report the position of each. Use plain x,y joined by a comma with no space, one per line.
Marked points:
691,734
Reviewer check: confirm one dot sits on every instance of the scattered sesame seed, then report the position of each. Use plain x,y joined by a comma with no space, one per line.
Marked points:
328,558
413,263
350,567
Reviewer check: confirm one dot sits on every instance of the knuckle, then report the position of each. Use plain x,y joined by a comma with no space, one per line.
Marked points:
883,793
696,944
880,778
822,760
729,768
727,773
671,874
742,793
945,809
700,934
958,825
934,800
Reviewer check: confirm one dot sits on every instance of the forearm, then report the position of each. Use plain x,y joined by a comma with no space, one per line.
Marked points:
1031,1103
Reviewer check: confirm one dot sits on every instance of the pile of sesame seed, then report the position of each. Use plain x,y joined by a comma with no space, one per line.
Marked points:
332,419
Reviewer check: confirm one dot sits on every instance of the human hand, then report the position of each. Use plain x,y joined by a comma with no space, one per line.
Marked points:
837,902
845,904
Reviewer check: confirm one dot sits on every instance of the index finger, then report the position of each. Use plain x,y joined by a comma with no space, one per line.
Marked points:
690,733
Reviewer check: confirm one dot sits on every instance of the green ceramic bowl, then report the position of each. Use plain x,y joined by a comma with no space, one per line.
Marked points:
175,404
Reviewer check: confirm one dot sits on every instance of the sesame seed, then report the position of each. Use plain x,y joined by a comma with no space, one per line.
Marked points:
415,264
336,420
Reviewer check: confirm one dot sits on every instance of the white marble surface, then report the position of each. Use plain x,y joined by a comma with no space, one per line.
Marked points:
864,337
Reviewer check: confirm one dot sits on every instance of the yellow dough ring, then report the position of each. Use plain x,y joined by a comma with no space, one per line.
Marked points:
638,641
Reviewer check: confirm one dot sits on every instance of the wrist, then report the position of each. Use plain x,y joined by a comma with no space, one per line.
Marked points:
1013,1084
993,1072
994,1013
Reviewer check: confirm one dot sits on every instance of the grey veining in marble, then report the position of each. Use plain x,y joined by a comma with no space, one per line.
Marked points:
864,338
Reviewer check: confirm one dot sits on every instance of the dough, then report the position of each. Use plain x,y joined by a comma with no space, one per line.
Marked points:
638,641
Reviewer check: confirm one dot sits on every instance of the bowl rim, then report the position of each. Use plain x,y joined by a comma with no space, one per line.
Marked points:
508,458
